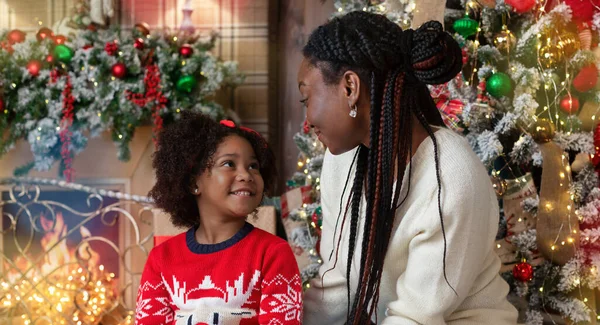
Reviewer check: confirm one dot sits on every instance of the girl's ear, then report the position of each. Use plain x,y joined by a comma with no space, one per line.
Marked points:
196,188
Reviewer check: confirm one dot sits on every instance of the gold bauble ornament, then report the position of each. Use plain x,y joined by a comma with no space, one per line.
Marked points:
542,131
499,185
569,43
550,56
505,41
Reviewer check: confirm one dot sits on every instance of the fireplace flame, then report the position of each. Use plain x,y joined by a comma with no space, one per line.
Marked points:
62,285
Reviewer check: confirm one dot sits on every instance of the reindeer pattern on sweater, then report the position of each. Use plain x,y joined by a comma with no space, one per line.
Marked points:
250,280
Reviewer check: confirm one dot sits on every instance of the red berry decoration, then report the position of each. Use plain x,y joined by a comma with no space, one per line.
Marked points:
6,46
569,104
523,272
44,33
586,79
119,70
60,39
87,46
111,48
49,59
34,67
15,36
186,50
139,44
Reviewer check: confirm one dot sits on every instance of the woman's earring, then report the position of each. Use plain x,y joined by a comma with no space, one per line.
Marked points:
353,111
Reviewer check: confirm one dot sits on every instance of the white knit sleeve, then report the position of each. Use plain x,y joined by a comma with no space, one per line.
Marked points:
470,222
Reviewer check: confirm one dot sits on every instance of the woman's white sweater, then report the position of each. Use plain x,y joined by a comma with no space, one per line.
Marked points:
413,289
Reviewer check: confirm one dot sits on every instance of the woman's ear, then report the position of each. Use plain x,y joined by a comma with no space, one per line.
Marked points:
351,83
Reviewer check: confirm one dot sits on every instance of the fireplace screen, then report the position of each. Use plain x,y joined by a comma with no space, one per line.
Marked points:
70,254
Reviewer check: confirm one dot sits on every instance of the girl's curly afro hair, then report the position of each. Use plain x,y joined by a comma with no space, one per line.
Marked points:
185,150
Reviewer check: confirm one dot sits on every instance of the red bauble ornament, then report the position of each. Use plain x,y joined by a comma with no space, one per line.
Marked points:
586,79
15,36
34,67
521,6
186,50
569,104
49,59
60,39
111,48
583,10
119,70
139,44
523,272
44,33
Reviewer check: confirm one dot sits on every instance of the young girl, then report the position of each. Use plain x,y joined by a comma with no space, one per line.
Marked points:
209,177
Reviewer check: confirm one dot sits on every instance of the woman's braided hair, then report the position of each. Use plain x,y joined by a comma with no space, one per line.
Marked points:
397,65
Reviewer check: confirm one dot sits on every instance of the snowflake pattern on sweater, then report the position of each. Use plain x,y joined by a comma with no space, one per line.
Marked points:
252,278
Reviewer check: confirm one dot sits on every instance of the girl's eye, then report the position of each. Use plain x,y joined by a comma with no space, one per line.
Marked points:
228,163
254,166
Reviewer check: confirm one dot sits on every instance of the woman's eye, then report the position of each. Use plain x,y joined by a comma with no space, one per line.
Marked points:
304,102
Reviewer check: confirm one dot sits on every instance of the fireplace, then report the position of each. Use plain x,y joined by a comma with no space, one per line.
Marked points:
70,254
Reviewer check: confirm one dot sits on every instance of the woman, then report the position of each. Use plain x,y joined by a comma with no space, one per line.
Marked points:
421,252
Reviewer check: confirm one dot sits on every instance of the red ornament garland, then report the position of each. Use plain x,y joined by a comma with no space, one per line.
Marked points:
65,130
153,95
111,48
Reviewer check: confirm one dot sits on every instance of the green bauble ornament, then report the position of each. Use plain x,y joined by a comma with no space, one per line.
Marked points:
498,85
466,26
63,53
319,211
186,84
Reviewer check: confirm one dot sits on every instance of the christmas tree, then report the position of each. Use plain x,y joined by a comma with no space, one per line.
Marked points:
528,101
57,91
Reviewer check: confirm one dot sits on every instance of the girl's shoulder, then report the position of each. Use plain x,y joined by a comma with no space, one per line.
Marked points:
266,238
